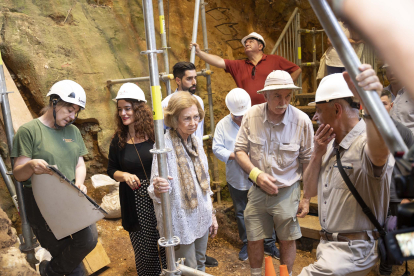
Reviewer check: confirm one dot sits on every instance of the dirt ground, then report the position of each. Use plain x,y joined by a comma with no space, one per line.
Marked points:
224,248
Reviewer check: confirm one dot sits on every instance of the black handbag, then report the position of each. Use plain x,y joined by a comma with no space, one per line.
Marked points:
385,256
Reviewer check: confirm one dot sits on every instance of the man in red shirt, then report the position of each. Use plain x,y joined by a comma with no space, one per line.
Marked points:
250,74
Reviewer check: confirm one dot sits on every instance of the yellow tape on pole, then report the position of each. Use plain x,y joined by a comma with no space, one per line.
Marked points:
299,52
156,103
162,24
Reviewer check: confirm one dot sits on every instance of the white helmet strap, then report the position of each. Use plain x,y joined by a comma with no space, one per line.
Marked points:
55,99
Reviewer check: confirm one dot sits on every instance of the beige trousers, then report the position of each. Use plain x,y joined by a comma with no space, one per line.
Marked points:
355,258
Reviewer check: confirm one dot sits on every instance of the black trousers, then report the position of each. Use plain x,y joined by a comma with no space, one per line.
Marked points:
68,252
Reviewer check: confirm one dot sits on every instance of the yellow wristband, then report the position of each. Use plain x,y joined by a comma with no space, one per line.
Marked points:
254,174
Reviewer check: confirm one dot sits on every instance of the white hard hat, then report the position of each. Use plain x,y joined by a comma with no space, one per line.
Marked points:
130,91
69,91
332,87
253,35
278,79
238,101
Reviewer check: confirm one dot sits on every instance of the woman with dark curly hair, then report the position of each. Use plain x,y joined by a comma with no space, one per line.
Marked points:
130,163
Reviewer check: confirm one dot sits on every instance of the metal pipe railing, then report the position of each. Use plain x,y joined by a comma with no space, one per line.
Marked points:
163,77
371,100
9,183
299,47
314,58
216,180
27,241
164,44
282,35
168,240
195,27
185,270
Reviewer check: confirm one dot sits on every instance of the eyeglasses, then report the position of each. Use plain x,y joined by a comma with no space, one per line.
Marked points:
196,118
253,71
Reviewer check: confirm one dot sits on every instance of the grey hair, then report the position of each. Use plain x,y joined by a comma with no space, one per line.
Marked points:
349,111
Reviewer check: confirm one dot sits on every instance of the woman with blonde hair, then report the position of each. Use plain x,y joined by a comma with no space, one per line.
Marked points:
193,218
130,163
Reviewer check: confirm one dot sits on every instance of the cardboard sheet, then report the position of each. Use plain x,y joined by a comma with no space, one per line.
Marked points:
65,208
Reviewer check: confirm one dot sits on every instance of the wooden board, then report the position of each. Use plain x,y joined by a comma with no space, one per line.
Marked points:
306,95
307,109
19,112
310,227
96,260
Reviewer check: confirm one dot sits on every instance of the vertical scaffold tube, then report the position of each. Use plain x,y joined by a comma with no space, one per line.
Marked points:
28,242
314,58
195,27
210,99
164,43
371,100
158,128
299,47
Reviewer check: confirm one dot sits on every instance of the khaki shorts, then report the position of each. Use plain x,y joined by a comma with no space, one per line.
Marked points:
265,212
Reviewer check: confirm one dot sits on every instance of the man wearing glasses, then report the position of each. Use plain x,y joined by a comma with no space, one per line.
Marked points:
250,74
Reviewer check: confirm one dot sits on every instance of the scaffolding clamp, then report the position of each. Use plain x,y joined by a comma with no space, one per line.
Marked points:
173,242
310,63
207,137
23,245
205,73
152,52
166,76
7,92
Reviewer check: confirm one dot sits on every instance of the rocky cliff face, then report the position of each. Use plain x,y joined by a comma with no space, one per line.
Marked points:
91,41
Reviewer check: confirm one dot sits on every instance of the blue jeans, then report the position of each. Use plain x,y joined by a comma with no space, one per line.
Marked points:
333,70
240,201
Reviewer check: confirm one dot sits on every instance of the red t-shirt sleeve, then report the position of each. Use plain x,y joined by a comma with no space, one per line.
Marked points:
232,66
287,66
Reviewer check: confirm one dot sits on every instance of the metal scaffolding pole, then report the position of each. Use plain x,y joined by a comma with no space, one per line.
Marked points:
195,27
164,44
162,77
139,79
314,58
371,100
9,183
216,180
299,47
27,241
168,241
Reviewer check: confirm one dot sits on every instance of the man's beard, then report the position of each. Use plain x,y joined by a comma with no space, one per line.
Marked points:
191,89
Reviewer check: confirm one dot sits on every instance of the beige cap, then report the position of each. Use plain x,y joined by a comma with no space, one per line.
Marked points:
278,79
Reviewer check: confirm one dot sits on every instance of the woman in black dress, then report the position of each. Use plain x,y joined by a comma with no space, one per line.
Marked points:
130,163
